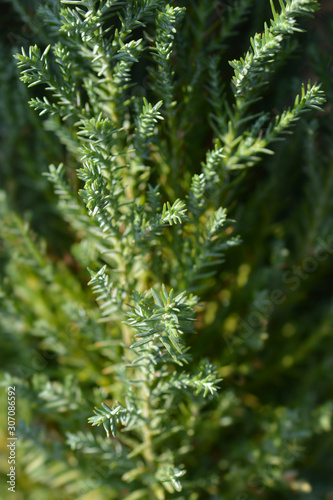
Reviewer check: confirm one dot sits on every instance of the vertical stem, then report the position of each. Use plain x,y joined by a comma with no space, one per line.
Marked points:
156,493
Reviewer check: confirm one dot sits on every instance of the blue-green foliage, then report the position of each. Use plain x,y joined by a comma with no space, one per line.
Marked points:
202,372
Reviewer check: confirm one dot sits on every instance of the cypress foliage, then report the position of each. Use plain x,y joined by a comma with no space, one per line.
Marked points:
169,333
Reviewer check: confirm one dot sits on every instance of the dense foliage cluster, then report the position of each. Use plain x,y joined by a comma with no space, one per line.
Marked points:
166,248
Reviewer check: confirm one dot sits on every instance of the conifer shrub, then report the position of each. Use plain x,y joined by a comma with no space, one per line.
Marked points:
166,249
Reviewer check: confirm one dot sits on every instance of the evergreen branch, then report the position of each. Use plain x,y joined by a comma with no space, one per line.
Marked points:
311,97
77,24
162,76
34,67
44,106
246,149
120,148
111,417
162,321
252,71
90,444
127,54
173,214
212,165
98,135
62,397
205,381
145,126
35,70
110,298
147,225
211,247
69,205
196,196
101,200
169,475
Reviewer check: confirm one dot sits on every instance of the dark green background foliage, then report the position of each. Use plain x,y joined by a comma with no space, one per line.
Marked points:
266,310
